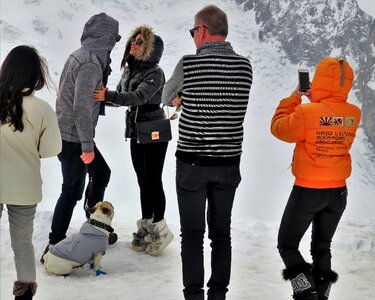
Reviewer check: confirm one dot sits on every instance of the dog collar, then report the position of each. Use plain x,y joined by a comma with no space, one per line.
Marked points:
100,224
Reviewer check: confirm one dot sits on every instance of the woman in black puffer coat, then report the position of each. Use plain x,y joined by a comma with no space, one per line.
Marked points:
140,88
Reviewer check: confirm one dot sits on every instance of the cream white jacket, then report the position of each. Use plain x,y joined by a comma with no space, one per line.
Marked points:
20,152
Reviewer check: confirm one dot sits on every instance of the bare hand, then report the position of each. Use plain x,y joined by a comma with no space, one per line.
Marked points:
175,114
176,101
307,94
87,157
99,95
299,93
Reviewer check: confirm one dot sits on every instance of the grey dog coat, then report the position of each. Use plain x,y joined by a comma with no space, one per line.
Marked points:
82,246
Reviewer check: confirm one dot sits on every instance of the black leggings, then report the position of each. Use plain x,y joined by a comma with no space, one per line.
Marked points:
321,207
148,163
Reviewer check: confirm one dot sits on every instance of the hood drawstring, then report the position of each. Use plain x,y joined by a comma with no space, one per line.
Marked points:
106,74
341,61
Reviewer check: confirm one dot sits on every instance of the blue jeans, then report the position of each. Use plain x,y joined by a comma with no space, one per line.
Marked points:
196,186
74,176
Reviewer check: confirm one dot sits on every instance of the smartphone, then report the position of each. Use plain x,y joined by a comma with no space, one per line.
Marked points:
304,80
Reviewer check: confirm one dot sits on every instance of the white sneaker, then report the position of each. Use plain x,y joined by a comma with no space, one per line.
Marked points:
159,236
138,243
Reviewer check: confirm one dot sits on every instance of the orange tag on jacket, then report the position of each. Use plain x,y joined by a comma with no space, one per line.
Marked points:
155,135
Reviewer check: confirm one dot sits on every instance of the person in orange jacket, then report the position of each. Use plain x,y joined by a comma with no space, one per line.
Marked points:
324,131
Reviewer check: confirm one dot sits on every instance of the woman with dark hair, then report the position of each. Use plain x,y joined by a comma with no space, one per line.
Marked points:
140,88
29,131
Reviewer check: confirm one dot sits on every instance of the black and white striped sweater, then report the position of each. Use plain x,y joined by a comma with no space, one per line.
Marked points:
215,95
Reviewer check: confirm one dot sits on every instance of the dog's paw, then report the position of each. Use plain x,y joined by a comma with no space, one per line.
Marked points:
100,272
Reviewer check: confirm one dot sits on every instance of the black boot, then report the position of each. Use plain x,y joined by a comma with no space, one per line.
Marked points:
24,290
323,281
302,281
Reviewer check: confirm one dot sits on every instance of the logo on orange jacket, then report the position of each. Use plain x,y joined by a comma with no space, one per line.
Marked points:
337,121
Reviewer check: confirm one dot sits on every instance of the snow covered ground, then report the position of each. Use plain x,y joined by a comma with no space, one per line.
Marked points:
255,269
54,27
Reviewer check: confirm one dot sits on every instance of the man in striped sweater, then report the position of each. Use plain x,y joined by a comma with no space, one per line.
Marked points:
213,88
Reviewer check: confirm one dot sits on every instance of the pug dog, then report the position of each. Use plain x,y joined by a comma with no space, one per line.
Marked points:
86,246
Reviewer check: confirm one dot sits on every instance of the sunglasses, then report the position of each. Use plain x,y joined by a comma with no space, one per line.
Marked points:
195,28
118,38
138,42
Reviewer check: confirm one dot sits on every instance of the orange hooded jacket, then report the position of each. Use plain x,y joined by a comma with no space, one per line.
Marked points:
323,130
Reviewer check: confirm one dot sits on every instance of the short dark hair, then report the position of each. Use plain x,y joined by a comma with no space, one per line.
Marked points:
22,72
214,18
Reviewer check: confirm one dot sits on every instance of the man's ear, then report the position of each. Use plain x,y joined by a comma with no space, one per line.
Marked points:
202,32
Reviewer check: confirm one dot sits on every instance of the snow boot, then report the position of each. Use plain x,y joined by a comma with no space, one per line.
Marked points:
138,243
159,236
323,281
24,290
303,285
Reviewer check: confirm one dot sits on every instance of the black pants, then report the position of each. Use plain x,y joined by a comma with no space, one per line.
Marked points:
196,187
148,163
74,173
321,207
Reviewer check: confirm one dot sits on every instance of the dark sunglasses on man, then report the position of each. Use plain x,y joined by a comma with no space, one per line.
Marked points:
195,28
138,42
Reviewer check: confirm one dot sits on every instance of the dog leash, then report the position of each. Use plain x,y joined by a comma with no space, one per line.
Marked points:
100,224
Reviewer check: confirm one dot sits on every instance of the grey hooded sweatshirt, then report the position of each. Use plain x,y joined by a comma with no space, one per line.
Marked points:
82,246
76,110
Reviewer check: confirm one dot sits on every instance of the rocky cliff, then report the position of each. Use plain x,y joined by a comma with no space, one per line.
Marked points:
308,30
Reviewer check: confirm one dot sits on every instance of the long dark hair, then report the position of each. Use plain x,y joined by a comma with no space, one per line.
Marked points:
126,55
22,72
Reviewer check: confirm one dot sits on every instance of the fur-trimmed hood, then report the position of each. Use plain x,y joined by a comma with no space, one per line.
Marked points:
152,48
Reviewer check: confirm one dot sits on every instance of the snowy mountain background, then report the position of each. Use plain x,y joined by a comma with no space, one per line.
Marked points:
54,27
306,30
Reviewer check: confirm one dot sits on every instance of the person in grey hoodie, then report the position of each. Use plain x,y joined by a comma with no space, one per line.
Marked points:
85,70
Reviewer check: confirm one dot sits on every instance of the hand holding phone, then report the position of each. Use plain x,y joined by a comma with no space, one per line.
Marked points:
304,80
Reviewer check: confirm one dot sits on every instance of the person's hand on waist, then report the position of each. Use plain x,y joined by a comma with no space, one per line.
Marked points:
99,95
